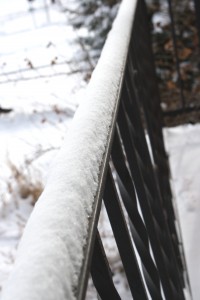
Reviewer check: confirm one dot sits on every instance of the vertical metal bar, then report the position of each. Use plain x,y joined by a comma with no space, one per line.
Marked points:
122,237
101,273
180,81
197,11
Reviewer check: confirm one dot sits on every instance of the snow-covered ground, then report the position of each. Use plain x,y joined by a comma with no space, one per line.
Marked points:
183,145
43,107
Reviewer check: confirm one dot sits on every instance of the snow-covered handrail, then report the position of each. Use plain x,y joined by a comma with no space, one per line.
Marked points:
61,243
51,252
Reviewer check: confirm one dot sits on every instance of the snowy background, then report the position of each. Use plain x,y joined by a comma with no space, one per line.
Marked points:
43,85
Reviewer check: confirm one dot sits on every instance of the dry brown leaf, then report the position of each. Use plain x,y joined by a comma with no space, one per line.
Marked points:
169,46
184,53
171,85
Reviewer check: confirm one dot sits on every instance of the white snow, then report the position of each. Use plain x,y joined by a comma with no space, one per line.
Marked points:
51,249
183,144
160,20
42,110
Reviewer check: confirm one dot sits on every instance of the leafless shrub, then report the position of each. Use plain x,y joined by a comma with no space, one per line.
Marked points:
22,183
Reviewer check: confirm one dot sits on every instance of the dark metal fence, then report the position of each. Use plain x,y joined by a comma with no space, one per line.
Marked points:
142,184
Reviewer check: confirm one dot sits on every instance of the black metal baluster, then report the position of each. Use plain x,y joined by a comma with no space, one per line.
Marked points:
154,198
101,273
173,30
122,237
148,174
168,285
197,11
138,228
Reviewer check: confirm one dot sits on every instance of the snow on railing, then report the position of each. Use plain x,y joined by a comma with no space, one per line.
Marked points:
61,243
51,253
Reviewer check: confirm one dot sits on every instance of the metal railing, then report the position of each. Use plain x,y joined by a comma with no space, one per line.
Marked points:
130,173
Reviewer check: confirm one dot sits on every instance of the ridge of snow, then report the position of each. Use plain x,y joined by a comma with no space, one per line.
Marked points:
50,254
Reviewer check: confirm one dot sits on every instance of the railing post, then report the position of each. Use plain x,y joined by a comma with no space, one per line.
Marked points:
174,39
197,12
